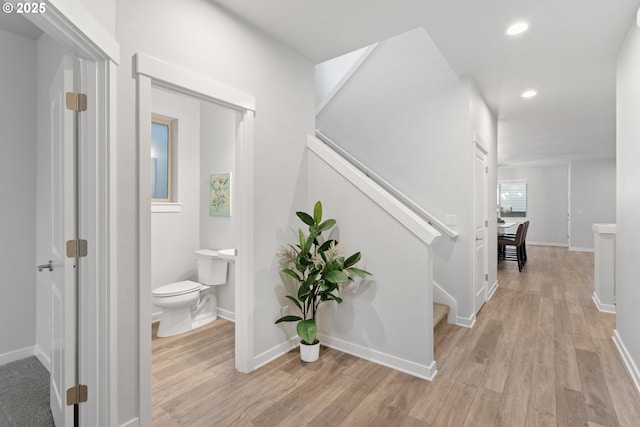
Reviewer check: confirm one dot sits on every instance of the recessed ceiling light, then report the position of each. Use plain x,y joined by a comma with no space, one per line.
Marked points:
529,93
517,28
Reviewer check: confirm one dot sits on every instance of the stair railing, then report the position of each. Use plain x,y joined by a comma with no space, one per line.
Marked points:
397,194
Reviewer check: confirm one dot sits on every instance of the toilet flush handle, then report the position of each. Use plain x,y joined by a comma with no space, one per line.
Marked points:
48,266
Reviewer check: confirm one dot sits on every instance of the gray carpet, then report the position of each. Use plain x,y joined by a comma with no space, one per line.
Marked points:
24,394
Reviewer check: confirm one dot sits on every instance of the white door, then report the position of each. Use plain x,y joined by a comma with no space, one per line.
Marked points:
480,223
63,228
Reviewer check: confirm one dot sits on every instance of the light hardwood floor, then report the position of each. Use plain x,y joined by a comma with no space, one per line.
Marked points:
539,354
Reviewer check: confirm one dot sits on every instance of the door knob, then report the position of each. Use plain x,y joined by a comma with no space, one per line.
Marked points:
48,266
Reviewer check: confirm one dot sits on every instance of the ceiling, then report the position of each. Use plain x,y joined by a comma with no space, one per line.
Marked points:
17,24
568,55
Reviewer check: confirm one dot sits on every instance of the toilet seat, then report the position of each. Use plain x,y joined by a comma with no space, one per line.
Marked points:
175,289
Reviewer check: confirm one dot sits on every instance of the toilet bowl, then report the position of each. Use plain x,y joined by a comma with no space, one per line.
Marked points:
188,305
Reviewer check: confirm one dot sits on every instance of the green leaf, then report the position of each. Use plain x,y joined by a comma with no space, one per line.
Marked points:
305,217
325,246
352,259
301,238
326,225
336,276
358,272
308,243
307,330
288,319
305,261
311,278
317,212
295,301
292,273
303,292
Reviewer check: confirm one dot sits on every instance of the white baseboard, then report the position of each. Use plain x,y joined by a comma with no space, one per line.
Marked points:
561,245
576,249
605,308
226,314
443,297
12,356
467,322
628,361
426,372
132,423
492,290
275,352
45,359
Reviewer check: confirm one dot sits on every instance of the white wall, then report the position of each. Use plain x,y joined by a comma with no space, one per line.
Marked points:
175,236
386,313
411,120
18,177
628,198
330,74
593,199
103,11
209,41
547,202
217,144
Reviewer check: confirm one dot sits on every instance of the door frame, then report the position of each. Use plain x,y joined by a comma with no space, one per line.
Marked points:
479,148
74,28
151,72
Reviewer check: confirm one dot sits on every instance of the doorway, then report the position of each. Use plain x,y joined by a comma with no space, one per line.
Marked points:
46,183
150,73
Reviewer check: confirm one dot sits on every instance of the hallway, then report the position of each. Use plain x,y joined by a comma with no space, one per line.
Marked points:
539,354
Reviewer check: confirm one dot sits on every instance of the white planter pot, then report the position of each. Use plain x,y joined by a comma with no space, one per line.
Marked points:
309,353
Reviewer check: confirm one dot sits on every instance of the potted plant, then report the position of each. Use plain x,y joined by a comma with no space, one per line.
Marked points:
319,270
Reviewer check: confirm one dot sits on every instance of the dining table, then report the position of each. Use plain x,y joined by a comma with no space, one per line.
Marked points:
503,226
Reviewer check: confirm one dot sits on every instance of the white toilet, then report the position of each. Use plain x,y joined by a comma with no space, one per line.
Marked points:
188,305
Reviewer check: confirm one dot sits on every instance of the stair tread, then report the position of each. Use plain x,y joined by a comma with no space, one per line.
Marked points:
440,312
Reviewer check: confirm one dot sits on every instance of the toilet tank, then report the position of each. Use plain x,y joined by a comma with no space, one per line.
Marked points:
212,269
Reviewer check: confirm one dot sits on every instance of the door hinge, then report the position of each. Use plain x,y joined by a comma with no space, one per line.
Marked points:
486,169
486,222
76,248
486,277
76,101
77,394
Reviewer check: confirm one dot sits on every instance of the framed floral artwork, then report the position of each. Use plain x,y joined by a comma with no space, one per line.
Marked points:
220,194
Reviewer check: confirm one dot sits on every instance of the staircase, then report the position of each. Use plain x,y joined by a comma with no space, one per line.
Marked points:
440,314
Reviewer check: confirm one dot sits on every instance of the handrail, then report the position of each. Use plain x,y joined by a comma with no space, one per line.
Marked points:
376,193
397,194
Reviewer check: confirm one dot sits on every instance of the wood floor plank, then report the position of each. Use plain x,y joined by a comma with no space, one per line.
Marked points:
342,405
365,412
594,387
428,405
456,407
566,366
571,411
484,409
624,395
539,354
497,371
396,409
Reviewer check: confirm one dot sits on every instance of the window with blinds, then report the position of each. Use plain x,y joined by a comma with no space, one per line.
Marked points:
512,199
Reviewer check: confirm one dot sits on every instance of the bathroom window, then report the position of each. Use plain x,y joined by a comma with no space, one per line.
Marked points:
161,159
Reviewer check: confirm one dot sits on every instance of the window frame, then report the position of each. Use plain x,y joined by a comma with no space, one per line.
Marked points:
526,198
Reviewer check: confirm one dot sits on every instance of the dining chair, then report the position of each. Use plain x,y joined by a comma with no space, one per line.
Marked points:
511,248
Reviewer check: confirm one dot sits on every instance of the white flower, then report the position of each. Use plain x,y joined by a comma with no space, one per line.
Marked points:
286,257
334,251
